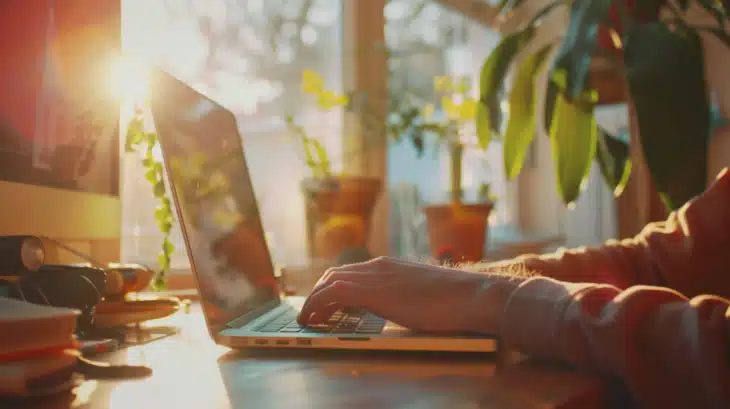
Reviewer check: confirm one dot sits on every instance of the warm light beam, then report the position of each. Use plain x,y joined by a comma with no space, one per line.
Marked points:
129,80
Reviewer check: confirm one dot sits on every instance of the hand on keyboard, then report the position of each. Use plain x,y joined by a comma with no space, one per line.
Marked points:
341,322
418,296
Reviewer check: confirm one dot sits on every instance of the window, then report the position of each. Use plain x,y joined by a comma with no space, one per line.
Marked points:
248,56
427,39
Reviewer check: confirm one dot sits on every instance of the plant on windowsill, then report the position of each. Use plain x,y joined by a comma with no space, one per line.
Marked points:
458,226
143,142
339,206
612,51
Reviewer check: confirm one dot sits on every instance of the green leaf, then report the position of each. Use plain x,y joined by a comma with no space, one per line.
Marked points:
551,96
159,189
164,261
494,71
159,283
484,134
537,18
167,247
164,226
133,137
666,78
522,103
573,135
151,176
322,154
162,213
506,6
579,43
151,139
614,161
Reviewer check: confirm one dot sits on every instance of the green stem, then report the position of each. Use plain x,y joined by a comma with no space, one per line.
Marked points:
457,151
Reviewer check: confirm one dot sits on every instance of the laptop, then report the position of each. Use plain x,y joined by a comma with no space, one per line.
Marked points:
220,221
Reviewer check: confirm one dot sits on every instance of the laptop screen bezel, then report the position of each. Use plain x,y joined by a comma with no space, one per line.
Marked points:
160,80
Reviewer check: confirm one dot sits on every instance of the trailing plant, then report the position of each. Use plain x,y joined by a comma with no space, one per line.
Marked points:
662,61
144,143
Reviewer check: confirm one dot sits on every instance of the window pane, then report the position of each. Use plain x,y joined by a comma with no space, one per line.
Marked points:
427,39
248,56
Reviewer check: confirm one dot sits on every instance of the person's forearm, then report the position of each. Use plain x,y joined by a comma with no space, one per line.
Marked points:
687,252
669,351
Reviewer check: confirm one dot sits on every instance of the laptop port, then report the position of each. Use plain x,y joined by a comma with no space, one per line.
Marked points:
354,338
261,342
282,342
304,342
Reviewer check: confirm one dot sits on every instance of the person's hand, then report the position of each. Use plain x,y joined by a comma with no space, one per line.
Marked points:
421,297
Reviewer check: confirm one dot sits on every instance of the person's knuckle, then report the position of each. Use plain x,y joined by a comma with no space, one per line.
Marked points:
381,261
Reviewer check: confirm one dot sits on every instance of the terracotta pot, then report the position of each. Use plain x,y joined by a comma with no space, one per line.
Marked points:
610,83
459,229
338,212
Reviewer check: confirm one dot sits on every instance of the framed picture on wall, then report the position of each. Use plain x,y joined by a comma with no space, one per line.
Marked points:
59,122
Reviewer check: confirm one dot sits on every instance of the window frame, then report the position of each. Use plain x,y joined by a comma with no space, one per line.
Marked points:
360,29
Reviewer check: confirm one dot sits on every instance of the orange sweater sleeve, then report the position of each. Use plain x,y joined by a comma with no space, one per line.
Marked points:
688,252
635,309
669,351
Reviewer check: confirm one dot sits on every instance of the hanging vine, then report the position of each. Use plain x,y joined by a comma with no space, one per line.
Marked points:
143,142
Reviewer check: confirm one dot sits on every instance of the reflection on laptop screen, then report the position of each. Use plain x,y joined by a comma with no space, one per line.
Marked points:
213,191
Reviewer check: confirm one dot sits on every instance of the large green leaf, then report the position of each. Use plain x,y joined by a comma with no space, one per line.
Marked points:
573,134
491,80
614,161
484,134
579,43
522,102
551,95
665,72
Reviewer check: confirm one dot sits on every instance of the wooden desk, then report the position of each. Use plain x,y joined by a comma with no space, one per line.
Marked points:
191,372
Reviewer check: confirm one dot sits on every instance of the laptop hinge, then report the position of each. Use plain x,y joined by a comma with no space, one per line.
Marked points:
244,319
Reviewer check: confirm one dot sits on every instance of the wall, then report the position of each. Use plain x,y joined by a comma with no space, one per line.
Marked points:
52,78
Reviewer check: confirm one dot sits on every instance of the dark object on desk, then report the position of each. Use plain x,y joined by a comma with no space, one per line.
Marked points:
20,255
353,255
67,286
103,371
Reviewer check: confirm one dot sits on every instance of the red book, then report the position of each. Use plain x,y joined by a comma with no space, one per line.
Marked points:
31,330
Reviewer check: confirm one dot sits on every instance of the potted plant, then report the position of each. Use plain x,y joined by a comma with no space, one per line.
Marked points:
457,230
338,206
654,59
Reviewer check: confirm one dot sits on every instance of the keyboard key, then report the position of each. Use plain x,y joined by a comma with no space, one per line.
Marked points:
317,330
341,330
290,330
368,330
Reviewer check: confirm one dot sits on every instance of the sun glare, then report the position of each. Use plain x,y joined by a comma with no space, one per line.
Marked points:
129,80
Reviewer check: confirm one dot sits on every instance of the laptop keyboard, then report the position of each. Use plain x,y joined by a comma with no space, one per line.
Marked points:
341,322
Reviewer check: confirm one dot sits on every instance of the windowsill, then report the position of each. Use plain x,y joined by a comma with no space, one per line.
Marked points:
187,294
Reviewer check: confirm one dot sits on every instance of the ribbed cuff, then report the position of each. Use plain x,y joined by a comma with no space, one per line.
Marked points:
533,316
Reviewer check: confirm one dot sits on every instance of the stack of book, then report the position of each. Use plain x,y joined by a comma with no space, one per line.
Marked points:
38,348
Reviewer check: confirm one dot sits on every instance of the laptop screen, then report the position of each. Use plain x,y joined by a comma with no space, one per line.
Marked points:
214,195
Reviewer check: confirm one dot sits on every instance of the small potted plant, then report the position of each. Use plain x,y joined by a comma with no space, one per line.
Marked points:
457,230
338,206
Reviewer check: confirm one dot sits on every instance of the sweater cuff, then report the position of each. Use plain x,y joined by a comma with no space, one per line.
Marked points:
533,316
